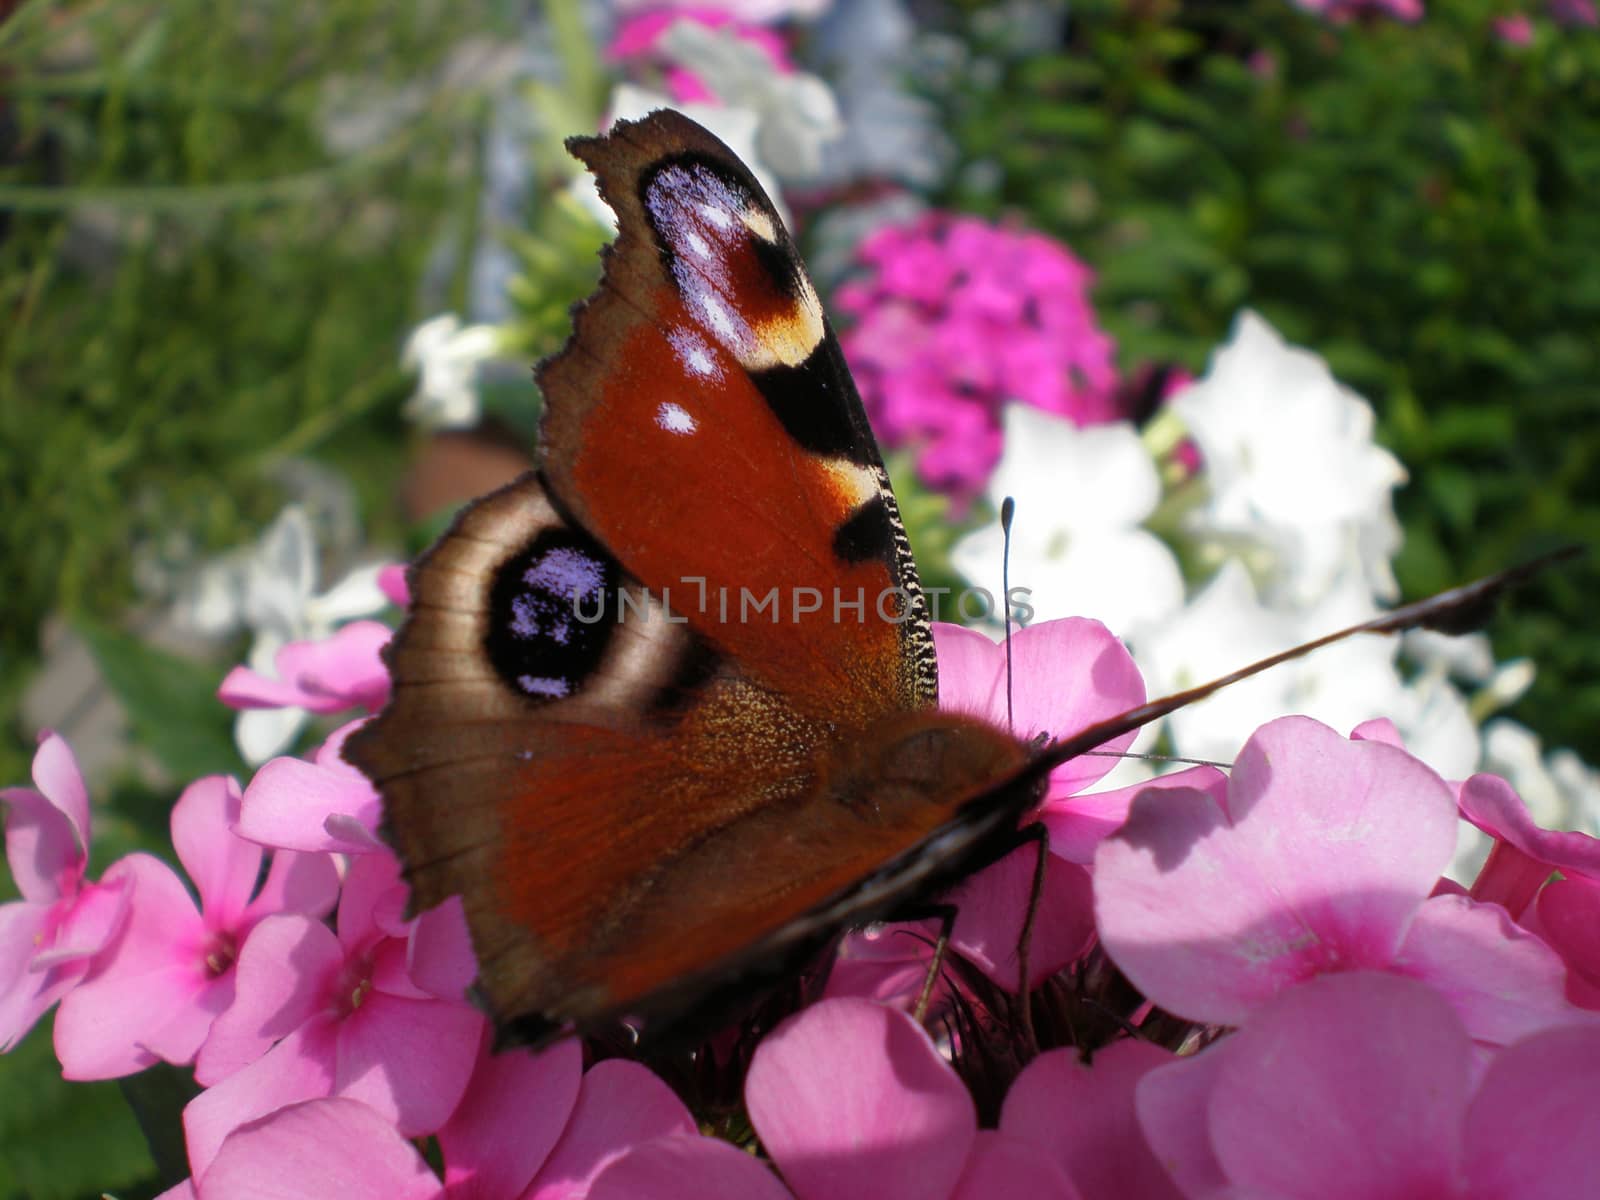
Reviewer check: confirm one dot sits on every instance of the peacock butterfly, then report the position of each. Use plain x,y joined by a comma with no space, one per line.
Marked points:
653,717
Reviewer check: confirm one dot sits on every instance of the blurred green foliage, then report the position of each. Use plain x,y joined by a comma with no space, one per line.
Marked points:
1419,203
213,221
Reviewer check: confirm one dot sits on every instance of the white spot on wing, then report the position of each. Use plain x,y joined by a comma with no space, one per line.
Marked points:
717,214
693,353
674,418
720,319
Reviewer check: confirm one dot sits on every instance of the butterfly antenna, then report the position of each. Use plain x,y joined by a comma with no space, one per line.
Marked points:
1458,610
1008,511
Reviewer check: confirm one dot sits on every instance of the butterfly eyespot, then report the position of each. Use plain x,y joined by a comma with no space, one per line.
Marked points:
551,614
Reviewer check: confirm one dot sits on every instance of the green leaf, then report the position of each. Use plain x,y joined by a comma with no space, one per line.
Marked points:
171,702
64,1141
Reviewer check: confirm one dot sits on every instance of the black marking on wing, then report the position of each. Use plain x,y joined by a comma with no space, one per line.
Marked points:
866,535
553,609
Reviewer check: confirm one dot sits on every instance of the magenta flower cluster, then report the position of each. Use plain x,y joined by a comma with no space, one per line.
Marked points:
1307,1010
954,317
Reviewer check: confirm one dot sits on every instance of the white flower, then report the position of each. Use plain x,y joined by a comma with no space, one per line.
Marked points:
1226,627
796,113
1076,541
270,589
447,355
1291,465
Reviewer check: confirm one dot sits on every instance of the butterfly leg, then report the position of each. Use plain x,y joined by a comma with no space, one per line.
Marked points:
947,923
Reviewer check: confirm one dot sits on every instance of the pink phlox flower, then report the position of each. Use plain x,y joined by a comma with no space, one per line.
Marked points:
322,805
853,1100
49,937
1514,30
1066,675
955,317
156,989
530,1127
323,1012
1319,858
1574,12
1548,879
1084,1114
1345,10
1368,1084
1524,855
638,38
343,670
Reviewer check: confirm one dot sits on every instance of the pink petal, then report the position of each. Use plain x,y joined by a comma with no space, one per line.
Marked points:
1000,1165
340,671
56,774
1079,822
373,899
1569,914
302,883
1533,1128
151,978
971,670
26,995
851,1099
245,688
439,951
389,973
1379,729
223,865
1503,982
1084,1118
88,922
887,964
300,1067
285,970
180,1191
992,906
1172,1102
509,1120
686,1168
47,844
1348,1085
289,802
392,583
1491,804
1066,675
330,1148
41,847
409,1059
620,1104
1331,848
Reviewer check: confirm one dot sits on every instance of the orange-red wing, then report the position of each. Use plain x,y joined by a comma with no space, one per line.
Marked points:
702,426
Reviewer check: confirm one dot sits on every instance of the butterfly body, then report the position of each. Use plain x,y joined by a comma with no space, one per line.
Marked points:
665,712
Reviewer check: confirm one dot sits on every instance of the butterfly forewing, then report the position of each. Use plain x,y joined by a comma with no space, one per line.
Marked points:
703,426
